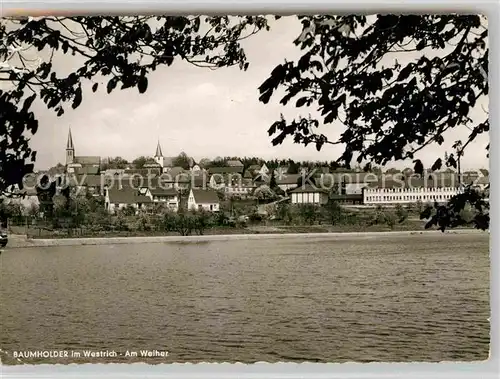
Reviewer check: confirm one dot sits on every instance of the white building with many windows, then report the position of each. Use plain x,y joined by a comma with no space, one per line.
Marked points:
308,194
409,191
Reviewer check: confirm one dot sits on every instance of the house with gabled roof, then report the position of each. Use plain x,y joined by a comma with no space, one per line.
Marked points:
248,174
195,168
167,196
26,197
234,163
225,170
124,196
217,181
87,170
253,169
309,194
92,184
199,180
207,200
288,181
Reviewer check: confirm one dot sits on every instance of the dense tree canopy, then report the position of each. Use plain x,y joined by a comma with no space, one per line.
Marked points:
349,73
120,51
116,163
139,162
182,160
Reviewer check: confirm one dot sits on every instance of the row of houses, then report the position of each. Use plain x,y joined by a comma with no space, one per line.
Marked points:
233,179
122,188
161,182
125,196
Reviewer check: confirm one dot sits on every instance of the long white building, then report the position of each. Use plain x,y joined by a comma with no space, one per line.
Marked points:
410,191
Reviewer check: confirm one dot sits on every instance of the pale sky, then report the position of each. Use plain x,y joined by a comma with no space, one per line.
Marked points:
202,112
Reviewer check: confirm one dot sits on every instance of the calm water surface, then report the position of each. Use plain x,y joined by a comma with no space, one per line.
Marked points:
397,298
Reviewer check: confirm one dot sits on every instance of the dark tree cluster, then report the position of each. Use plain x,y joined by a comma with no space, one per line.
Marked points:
350,75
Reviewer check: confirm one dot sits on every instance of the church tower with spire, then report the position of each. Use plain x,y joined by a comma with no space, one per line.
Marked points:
159,155
70,149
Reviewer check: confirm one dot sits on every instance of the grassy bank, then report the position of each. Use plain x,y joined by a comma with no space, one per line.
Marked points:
21,242
269,228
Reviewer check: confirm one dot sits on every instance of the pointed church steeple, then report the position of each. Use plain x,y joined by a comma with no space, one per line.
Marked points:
159,156
158,151
70,149
69,145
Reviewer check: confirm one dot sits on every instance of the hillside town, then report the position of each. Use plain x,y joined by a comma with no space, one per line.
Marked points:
233,186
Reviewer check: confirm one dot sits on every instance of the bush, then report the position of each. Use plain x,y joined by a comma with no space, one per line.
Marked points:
419,206
467,214
332,211
255,218
286,213
143,223
201,221
390,220
220,219
120,223
129,210
379,217
184,224
308,213
169,221
100,220
401,213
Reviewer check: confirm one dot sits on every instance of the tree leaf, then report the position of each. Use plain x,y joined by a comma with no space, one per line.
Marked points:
418,167
301,102
77,100
437,165
27,103
421,45
112,84
405,72
142,85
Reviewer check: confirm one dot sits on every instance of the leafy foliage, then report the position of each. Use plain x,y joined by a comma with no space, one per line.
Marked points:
272,181
139,162
264,193
115,163
452,214
308,212
46,190
349,73
333,211
182,160
401,213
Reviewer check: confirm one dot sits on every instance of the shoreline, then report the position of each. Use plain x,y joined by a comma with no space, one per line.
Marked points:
22,241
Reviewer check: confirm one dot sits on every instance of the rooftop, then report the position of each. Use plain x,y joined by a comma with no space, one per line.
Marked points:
226,170
308,188
126,195
205,196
